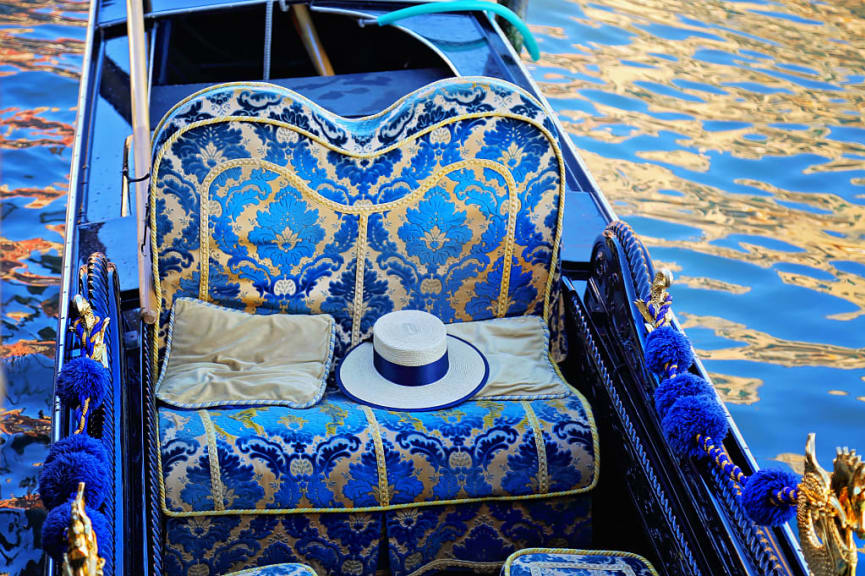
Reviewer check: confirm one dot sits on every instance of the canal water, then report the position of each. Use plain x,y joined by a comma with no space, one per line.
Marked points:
729,134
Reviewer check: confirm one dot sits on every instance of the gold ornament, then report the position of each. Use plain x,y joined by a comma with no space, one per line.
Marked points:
657,298
89,321
82,559
830,510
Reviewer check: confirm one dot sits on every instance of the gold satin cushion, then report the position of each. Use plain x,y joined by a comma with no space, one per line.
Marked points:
222,357
517,350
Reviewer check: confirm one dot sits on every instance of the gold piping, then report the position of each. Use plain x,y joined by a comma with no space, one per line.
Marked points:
360,267
439,563
510,240
506,569
538,433
381,464
216,487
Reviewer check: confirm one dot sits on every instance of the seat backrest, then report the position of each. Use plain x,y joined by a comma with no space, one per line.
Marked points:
449,201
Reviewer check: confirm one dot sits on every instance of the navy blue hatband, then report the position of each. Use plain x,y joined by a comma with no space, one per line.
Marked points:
411,375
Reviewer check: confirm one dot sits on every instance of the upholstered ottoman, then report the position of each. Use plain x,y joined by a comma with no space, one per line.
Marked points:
563,562
290,569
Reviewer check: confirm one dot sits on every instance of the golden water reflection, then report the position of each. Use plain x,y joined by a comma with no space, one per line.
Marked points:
751,115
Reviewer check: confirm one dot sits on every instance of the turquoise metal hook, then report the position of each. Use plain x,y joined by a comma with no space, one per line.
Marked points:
464,6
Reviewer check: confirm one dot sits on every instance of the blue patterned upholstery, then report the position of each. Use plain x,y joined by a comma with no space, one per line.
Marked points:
340,455
470,535
289,569
560,562
450,201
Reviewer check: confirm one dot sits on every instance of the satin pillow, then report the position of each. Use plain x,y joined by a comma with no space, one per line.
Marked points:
224,357
517,350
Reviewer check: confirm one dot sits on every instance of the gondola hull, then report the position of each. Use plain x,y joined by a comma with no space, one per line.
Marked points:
684,516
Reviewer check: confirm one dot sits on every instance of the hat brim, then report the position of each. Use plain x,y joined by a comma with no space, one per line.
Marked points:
467,373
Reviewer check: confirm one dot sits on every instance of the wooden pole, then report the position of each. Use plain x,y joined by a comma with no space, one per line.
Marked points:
309,36
141,151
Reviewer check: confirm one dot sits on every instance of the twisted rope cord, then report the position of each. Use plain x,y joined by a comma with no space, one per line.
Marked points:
787,496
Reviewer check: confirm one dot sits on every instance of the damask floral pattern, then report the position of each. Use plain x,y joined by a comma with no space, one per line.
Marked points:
562,562
288,232
325,457
450,201
476,536
330,544
288,569
443,198
281,478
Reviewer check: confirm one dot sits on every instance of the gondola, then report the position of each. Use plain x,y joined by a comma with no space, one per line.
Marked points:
409,161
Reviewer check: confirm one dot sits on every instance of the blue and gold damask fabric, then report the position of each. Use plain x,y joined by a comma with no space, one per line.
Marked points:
450,201
339,455
559,562
473,537
288,569
323,485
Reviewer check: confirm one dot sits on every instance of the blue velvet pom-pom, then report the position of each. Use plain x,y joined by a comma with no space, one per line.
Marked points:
78,443
82,378
666,345
690,416
757,496
679,386
59,479
54,538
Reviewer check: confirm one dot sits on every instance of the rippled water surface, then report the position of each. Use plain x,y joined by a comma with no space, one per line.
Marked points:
40,57
729,134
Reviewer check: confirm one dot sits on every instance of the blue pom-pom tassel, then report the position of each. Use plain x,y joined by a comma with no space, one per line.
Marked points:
54,538
82,378
666,345
59,479
758,492
680,386
690,416
78,443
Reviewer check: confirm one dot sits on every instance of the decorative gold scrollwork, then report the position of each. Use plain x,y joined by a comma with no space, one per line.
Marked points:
658,299
90,328
82,559
831,508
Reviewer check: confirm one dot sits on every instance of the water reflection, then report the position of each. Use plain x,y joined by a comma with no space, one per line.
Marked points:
41,44
730,134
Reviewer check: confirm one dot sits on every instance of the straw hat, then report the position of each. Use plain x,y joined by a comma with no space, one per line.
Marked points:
412,364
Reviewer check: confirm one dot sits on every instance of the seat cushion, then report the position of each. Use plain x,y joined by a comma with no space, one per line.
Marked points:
429,539
224,357
340,456
290,569
561,562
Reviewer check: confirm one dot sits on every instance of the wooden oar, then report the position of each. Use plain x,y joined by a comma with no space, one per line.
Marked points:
140,151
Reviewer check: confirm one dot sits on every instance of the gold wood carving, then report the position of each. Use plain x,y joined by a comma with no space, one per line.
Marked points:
831,508
82,559
93,331
663,280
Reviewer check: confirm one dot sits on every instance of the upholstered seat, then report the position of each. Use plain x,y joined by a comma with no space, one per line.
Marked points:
561,562
277,570
450,202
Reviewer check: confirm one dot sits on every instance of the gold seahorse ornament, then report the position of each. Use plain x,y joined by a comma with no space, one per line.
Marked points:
82,559
92,332
830,510
657,297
